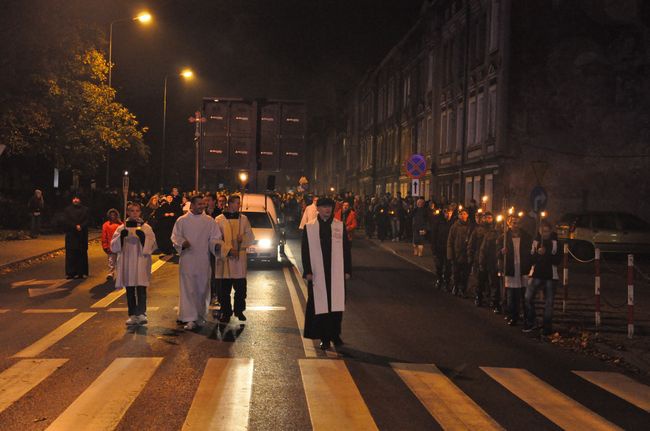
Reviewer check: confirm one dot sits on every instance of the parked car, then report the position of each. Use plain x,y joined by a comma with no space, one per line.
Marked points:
611,232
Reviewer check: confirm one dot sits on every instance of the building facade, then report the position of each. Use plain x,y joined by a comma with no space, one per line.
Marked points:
501,96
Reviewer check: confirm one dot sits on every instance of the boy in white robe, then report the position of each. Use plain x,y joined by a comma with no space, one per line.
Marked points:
231,265
194,236
133,242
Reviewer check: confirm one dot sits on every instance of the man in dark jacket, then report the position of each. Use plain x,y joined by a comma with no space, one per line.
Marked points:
76,239
473,249
439,236
457,251
517,265
488,265
545,257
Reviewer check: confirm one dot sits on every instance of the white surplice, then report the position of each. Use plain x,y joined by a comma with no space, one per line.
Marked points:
133,266
229,266
337,292
310,214
203,233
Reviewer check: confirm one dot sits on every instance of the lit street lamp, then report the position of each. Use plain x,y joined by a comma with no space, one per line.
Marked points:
186,74
143,18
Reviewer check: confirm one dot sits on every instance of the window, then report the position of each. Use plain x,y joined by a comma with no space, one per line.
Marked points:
632,222
430,72
480,113
494,25
381,104
471,122
459,126
603,221
468,189
258,220
391,98
407,90
476,192
443,133
429,135
420,138
488,190
492,112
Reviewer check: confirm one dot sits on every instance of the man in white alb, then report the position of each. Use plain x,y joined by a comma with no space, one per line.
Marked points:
310,213
194,236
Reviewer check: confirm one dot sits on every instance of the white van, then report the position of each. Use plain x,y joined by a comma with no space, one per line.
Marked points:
263,217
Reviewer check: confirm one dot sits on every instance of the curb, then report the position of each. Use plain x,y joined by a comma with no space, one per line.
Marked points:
380,244
37,256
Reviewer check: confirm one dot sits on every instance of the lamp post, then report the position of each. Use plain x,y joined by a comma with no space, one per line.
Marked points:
143,18
187,74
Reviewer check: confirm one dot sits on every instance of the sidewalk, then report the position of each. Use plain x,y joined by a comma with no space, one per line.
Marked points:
574,323
15,252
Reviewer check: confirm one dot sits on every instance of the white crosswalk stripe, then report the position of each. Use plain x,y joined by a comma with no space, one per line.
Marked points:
222,397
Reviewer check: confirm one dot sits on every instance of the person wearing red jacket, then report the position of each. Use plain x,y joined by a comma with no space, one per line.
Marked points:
108,229
349,218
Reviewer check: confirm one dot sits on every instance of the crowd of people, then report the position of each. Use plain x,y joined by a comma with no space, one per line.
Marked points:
502,264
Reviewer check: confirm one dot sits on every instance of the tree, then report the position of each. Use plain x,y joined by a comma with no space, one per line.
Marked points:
58,105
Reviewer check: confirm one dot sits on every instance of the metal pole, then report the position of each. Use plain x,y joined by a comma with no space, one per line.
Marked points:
162,152
565,276
597,285
110,85
196,164
630,295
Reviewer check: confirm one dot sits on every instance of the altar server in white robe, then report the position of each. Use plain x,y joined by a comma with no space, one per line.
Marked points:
327,263
195,236
310,213
133,242
230,270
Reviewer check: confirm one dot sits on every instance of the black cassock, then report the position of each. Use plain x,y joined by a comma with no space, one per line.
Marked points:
165,225
76,242
323,326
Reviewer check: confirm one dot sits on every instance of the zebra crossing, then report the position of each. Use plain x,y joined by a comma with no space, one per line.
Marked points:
222,398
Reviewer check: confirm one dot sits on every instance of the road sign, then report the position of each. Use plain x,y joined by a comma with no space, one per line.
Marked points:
416,166
538,199
415,187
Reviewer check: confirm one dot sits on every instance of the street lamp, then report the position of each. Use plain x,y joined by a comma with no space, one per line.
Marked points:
143,18
186,74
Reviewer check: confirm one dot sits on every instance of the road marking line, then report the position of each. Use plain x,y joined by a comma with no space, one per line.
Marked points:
4,310
449,405
333,399
113,296
126,309
622,386
265,308
307,345
48,310
109,299
301,282
23,376
223,398
563,411
406,259
54,337
102,405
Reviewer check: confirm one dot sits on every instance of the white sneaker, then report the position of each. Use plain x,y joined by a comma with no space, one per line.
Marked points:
132,320
190,326
142,319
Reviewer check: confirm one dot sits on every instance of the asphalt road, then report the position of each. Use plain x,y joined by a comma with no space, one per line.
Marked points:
414,359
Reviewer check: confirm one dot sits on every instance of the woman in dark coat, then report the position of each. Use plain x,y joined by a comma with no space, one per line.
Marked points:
420,227
76,239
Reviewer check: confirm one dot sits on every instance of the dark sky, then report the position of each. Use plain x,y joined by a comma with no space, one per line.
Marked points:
300,49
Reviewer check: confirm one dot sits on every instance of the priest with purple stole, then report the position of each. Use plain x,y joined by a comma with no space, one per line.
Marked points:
327,263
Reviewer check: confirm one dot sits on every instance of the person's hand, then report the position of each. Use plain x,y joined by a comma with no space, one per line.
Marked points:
186,244
347,276
504,250
309,277
141,236
78,227
541,251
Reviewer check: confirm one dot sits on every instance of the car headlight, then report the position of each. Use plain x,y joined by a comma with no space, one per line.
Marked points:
264,243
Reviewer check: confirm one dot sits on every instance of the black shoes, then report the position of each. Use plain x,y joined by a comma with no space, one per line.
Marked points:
338,342
324,344
224,318
241,316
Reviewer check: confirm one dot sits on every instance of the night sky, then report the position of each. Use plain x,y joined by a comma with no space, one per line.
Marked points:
291,49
